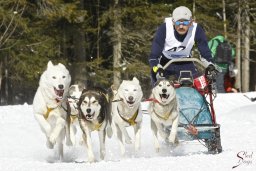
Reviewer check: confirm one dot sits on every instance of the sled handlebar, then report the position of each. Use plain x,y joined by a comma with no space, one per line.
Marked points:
200,63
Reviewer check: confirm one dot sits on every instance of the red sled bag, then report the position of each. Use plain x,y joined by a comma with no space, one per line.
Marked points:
200,84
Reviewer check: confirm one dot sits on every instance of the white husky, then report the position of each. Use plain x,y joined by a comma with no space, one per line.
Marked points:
164,112
50,104
126,111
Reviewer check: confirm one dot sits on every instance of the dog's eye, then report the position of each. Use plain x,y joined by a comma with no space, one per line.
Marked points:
85,102
125,89
53,77
135,90
94,102
63,76
168,85
160,85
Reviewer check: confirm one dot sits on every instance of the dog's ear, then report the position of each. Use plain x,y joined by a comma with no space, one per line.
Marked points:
136,80
114,89
81,98
49,65
61,65
81,87
84,90
71,89
171,82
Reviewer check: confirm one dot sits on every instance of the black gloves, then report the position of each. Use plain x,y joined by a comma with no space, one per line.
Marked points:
211,72
159,71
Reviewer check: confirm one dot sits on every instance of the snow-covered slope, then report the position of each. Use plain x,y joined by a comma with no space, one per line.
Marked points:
22,144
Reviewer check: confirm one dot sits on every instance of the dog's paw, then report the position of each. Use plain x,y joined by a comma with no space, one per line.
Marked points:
102,154
52,139
49,144
157,149
81,142
91,160
109,132
122,150
173,141
128,141
137,147
172,138
163,134
69,142
157,146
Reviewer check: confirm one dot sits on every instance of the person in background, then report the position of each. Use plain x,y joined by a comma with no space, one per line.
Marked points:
224,56
175,38
230,79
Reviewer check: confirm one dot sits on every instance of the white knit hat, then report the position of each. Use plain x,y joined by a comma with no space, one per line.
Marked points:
181,12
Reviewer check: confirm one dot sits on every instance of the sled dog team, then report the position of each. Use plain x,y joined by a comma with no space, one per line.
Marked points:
60,109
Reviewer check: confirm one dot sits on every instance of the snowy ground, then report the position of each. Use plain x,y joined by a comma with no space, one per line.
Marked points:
22,144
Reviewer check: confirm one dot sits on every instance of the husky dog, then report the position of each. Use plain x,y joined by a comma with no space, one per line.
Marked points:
126,111
94,115
164,112
49,104
74,94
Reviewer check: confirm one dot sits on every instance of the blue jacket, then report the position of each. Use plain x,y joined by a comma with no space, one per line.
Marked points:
159,41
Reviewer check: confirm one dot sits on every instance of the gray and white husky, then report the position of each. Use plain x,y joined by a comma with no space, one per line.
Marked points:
164,112
74,94
94,115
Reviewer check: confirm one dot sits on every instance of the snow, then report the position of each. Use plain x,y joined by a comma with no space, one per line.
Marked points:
22,144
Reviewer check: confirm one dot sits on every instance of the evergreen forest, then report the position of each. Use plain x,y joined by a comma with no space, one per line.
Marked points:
102,42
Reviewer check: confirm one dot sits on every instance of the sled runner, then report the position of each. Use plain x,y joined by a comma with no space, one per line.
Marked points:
197,116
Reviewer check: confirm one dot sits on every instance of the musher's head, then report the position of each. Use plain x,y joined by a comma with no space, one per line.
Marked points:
182,19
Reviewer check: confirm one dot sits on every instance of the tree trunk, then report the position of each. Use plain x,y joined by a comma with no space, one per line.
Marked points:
78,69
224,18
238,48
117,44
246,59
98,28
194,9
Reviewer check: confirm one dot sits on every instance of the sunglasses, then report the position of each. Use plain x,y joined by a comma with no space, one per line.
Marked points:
185,23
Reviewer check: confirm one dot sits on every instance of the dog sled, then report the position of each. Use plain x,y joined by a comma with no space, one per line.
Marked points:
197,115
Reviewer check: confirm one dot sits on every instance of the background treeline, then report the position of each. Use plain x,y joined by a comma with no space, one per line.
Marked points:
105,41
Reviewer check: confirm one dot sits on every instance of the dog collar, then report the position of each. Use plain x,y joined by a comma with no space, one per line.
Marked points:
131,121
164,117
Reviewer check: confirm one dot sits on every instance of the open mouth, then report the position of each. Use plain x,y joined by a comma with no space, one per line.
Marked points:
130,103
59,93
89,116
164,97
